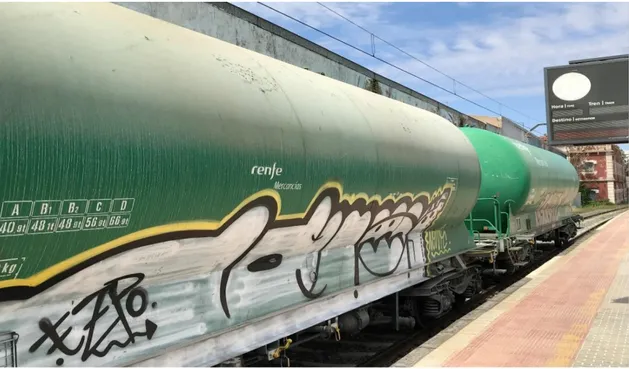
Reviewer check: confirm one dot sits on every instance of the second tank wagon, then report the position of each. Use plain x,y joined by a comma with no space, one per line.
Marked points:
532,188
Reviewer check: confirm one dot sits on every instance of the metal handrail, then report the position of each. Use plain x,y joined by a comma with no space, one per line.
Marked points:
509,213
9,343
498,214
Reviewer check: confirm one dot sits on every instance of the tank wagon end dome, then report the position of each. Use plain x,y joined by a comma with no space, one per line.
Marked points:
528,178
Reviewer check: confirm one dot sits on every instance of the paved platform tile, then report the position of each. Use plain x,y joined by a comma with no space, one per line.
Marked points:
548,327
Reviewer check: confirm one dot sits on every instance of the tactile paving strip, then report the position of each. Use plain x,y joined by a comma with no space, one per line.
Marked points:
607,343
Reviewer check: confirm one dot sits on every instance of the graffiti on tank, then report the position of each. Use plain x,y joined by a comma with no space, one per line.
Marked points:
521,147
546,216
437,244
333,220
124,308
541,162
548,209
345,239
217,275
550,198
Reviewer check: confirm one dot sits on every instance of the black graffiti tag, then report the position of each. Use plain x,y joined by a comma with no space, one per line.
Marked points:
122,307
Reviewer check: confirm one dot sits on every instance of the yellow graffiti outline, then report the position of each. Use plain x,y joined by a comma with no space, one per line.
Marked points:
210,225
431,238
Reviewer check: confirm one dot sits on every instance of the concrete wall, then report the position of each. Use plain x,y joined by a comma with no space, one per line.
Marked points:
513,130
510,129
234,25
517,132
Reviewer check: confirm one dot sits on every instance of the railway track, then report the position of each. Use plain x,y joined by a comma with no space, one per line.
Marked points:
594,213
378,347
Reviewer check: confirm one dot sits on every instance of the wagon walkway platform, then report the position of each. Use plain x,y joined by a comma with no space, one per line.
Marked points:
572,311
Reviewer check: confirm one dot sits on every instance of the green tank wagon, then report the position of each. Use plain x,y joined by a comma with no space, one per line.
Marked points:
532,189
229,198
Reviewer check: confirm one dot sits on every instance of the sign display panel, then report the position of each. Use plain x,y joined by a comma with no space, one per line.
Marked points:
588,102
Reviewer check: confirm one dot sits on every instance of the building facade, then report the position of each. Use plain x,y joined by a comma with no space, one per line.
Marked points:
602,169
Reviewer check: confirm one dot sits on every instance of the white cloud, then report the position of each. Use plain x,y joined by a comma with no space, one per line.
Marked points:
317,16
506,57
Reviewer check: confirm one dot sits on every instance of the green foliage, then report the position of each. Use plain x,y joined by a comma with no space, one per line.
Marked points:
373,86
600,203
586,200
585,194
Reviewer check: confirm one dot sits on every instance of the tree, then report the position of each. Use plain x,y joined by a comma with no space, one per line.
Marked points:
373,86
459,120
585,194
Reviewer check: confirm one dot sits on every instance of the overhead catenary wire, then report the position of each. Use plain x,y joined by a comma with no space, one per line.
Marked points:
372,54
375,57
373,35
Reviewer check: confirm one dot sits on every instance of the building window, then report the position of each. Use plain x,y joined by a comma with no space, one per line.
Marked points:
588,166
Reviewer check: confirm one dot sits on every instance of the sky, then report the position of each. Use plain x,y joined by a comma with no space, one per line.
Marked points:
498,49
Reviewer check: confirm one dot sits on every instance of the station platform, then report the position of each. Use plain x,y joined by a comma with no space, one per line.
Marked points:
572,311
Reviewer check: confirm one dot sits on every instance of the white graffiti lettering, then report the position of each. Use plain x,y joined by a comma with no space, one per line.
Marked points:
364,224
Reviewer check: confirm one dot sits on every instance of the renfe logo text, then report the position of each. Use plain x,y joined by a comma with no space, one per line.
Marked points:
267,171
